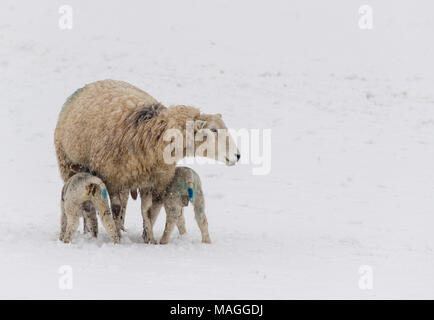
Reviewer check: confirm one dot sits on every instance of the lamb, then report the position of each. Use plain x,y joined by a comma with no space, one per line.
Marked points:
117,132
185,187
81,194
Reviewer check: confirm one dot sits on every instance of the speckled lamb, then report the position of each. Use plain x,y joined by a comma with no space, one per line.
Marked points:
184,188
81,195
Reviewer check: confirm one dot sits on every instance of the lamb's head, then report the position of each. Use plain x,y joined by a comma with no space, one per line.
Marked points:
212,139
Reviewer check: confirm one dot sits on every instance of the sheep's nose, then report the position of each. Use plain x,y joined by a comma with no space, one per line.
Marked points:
238,157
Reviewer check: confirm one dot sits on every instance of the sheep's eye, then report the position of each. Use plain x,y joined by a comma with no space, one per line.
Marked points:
214,130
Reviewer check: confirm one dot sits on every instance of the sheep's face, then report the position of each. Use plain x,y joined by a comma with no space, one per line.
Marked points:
212,140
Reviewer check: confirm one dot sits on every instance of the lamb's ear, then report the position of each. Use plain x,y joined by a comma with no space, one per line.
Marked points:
198,125
91,189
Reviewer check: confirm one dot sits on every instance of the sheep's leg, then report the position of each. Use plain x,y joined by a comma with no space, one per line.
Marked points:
172,213
90,219
202,222
115,201
181,223
123,200
64,164
146,203
71,227
154,211
63,221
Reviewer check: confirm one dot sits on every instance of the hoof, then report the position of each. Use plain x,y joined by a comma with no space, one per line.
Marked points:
164,241
150,241
206,240
116,239
146,239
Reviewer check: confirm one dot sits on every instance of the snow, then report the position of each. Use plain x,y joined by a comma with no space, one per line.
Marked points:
351,178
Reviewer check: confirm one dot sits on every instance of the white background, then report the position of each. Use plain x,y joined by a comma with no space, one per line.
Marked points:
351,113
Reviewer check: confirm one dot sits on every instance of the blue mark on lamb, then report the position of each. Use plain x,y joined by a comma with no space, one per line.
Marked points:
190,193
104,193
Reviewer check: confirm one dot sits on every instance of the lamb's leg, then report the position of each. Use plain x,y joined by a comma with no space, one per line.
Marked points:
85,230
181,223
71,227
115,201
109,225
202,222
90,219
146,203
172,213
100,202
91,223
63,221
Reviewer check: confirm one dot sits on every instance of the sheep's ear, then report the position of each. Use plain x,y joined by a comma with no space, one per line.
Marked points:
91,189
198,125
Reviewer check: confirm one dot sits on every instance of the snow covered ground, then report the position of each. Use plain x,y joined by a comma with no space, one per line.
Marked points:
352,119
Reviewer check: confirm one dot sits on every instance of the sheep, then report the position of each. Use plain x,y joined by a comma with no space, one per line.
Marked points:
185,187
81,194
117,132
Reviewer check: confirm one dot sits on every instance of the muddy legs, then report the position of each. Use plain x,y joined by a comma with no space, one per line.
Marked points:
146,203
90,223
172,214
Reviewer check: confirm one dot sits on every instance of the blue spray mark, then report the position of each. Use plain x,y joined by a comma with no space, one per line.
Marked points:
104,193
190,194
68,100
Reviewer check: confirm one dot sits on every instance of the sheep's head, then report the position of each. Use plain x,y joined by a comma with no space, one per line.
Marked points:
212,139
